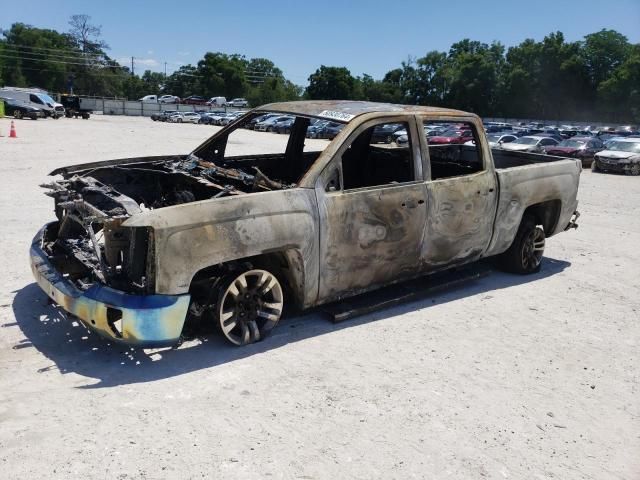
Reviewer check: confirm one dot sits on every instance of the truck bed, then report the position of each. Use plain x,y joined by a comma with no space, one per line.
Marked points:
531,179
503,159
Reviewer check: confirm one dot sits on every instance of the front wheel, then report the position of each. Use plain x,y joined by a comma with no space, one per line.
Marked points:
524,256
249,306
633,170
17,114
594,167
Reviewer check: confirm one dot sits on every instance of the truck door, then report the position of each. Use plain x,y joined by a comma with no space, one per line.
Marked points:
462,194
372,208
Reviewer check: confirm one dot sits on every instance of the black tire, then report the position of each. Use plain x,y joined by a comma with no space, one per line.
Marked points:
179,120
633,170
524,256
17,114
250,314
594,167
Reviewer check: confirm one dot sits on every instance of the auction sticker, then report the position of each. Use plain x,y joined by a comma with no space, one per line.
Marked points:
345,117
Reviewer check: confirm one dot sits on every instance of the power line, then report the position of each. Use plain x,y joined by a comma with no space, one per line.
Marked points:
72,55
60,61
31,47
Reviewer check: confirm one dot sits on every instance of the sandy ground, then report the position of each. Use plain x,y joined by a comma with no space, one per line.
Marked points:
507,377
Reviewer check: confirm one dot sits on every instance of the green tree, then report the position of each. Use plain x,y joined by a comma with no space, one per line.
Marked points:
222,75
331,83
603,52
620,93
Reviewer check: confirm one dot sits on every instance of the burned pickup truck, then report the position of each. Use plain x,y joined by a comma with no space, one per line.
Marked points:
251,223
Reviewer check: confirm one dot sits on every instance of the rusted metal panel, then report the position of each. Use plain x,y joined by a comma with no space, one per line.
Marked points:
190,237
354,108
459,219
521,187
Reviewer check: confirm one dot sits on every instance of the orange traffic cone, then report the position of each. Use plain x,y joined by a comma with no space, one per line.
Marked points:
12,133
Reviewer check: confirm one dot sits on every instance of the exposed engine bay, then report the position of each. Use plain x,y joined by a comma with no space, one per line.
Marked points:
89,242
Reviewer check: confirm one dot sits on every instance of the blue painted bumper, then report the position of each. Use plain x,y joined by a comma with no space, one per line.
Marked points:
137,320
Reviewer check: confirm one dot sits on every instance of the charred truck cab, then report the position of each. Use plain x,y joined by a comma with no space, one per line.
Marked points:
237,229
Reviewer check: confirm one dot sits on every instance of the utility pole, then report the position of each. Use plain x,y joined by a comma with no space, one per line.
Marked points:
132,66
165,69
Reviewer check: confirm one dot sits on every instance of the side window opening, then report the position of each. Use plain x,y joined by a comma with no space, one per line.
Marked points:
380,155
283,155
454,150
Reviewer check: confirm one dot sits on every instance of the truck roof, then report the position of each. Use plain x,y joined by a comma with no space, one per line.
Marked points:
345,110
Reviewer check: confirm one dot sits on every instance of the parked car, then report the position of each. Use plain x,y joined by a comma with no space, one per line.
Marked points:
149,99
496,140
532,144
238,103
329,130
251,124
450,137
191,117
169,99
284,126
583,148
217,102
215,117
230,117
546,132
268,124
622,155
36,98
165,115
384,133
314,126
194,100
224,241
177,117
19,110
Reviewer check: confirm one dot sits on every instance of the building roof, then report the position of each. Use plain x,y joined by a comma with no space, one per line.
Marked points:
345,110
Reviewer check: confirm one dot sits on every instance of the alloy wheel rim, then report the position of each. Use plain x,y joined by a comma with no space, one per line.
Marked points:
250,307
533,249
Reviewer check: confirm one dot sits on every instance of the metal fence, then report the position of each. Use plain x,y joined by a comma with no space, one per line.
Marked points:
140,109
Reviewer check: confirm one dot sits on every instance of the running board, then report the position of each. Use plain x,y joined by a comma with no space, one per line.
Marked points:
402,292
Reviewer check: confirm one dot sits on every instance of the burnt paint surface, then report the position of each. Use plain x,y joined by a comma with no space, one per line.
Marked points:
194,236
369,236
459,219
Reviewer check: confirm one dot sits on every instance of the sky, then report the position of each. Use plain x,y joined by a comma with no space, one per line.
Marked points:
370,37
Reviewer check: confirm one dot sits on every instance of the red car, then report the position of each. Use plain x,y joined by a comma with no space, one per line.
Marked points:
578,147
194,100
451,137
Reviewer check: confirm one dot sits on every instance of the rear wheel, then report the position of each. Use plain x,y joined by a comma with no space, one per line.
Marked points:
525,253
249,306
594,167
17,114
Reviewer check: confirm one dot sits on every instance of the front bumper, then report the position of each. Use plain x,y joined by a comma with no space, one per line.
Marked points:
137,320
611,165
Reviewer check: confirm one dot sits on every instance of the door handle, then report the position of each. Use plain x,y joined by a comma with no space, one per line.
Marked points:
412,203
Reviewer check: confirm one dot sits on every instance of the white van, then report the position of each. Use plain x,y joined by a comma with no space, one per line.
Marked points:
149,99
35,97
217,101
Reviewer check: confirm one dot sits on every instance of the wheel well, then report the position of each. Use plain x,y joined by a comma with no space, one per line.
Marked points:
287,265
545,214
